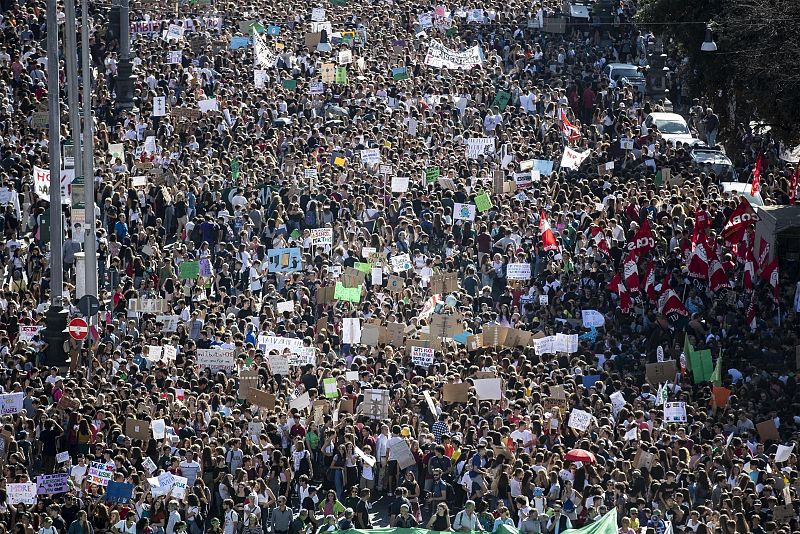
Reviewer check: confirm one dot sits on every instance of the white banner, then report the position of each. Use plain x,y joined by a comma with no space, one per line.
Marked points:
268,343
263,56
592,319
41,184
518,271
442,57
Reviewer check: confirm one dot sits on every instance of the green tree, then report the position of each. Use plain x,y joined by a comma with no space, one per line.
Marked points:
755,72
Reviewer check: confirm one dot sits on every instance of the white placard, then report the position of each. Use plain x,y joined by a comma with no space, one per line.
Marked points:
285,306
345,57
783,453
175,32
169,353
208,104
401,263
174,57
316,88
422,356
216,359
159,106
625,143
179,487
318,14
149,465
518,271
279,364
11,403
302,356
660,354
579,419
100,474
489,388
377,276
572,159
371,156
674,412
351,376
260,78
566,343
463,212
301,402
322,236
21,493
480,146
170,322
27,332
369,460
631,435
351,330
592,319
544,300
617,402
62,457
400,184
268,343
159,428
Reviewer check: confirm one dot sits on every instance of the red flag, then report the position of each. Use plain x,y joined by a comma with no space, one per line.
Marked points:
670,304
750,314
743,216
749,270
548,237
625,301
631,272
793,184
700,224
770,274
698,262
570,131
756,173
717,277
649,282
599,237
763,254
643,242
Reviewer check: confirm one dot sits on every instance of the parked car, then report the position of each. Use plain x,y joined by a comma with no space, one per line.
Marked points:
708,159
673,127
626,73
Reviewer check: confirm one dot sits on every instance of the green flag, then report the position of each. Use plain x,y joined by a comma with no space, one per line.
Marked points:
606,525
716,376
702,366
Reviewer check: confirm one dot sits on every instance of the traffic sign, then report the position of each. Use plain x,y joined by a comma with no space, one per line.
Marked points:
88,305
78,328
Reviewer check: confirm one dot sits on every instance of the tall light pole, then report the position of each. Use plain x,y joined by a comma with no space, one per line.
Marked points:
89,242
125,77
56,318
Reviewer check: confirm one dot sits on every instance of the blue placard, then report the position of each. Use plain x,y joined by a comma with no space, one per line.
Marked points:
239,42
119,492
274,30
285,260
590,380
544,166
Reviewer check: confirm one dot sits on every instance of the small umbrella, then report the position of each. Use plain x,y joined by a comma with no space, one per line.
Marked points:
580,455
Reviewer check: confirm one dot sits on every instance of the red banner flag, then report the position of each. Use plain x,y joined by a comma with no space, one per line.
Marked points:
743,216
643,242
548,237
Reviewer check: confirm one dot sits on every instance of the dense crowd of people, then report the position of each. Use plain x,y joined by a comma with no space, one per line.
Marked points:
345,286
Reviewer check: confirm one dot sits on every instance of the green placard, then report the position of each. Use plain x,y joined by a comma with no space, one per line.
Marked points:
290,84
365,268
483,202
432,174
452,31
347,294
235,169
339,3
501,100
329,385
295,234
189,270
341,75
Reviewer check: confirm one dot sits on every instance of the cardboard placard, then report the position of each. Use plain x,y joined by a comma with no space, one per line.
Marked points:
248,380
768,431
494,336
549,402
444,283
783,513
456,393
262,398
370,334
136,429
661,372
643,459
346,406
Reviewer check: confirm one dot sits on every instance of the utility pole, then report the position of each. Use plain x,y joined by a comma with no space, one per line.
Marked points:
125,77
89,242
56,318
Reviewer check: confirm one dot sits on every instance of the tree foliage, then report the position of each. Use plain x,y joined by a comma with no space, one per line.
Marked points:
755,72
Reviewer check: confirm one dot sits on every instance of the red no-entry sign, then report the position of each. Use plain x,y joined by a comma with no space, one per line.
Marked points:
78,328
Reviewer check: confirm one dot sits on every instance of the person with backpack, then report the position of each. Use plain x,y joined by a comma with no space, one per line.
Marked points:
467,520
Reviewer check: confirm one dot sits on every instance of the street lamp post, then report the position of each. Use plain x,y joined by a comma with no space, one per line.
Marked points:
89,242
56,318
125,77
